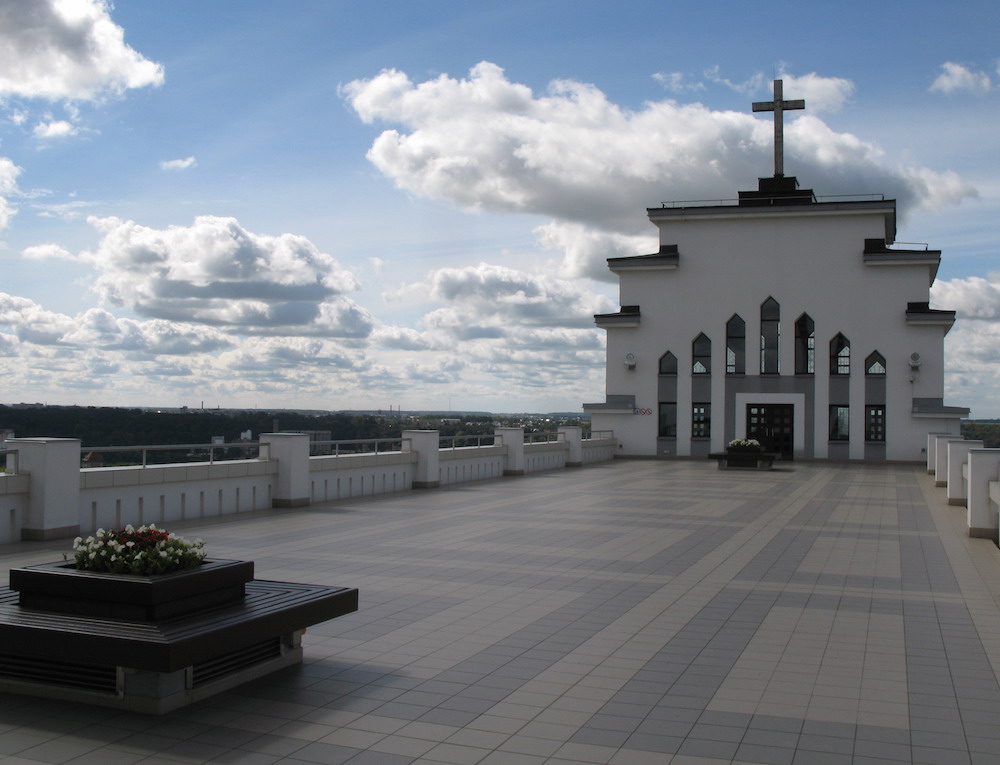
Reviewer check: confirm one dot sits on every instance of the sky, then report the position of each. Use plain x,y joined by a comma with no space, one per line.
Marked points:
338,205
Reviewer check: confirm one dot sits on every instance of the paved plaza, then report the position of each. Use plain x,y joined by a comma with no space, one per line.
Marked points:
634,612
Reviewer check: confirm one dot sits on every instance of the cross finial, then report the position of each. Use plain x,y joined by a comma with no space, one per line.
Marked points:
778,107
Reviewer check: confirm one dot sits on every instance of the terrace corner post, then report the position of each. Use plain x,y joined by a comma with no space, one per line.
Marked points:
426,444
291,452
573,434
513,441
53,469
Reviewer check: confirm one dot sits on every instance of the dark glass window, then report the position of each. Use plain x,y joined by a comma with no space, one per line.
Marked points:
839,423
668,419
668,364
701,420
736,343
875,364
701,355
770,331
875,422
840,355
805,345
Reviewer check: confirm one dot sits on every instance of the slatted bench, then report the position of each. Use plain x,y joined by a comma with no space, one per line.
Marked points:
157,665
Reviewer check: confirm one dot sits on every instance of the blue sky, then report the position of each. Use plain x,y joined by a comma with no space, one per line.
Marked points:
343,205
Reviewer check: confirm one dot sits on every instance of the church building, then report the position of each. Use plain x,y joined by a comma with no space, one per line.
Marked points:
781,316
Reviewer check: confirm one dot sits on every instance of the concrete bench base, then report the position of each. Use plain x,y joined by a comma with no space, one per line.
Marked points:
744,460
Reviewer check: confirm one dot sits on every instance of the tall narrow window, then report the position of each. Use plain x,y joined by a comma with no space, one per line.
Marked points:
668,364
839,423
840,355
668,419
701,420
805,345
875,422
770,319
701,355
736,344
875,364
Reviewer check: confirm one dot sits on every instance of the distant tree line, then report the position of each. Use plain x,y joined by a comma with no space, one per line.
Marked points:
97,426
987,431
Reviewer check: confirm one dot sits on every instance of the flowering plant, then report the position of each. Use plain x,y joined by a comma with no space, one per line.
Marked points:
745,442
145,550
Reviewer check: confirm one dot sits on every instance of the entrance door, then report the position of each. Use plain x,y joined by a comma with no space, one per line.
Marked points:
773,426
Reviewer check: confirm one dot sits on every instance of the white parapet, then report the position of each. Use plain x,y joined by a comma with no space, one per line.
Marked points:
573,436
513,442
958,454
426,444
291,452
983,471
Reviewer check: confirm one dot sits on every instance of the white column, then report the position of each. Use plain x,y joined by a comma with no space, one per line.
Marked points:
932,450
984,468
291,452
573,435
941,458
513,441
427,445
958,454
53,468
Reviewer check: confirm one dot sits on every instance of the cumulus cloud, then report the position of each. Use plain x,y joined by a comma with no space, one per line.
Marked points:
8,185
178,164
956,77
48,251
972,298
484,142
677,82
821,94
67,50
54,129
216,272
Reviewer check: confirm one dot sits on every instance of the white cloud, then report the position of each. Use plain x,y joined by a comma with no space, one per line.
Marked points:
178,164
216,272
748,87
8,185
484,142
972,298
956,77
67,50
821,94
585,251
54,129
48,251
676,82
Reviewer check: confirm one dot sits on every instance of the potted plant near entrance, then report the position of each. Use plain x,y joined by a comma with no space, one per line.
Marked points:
743,452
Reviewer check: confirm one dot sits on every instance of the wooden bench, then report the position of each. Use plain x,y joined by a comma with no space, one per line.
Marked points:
155,666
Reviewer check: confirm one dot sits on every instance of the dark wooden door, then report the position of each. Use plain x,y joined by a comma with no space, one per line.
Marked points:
774,426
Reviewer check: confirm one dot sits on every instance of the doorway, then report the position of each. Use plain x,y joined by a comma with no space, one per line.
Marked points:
774,426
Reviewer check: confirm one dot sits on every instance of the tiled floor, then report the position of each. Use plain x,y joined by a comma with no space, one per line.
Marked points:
633,613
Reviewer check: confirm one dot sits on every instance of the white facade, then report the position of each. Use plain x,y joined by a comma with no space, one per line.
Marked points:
827,263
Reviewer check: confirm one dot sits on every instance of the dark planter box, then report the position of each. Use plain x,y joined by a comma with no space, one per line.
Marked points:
61,587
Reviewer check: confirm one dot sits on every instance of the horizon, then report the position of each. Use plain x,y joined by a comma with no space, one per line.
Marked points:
294,210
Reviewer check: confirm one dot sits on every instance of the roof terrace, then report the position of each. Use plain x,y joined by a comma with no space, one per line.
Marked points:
628,612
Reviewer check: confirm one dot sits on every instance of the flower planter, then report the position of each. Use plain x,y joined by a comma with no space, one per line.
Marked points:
62,588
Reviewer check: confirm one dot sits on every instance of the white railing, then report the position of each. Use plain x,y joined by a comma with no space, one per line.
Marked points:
598,435
538,438
469,442
357,446
195,453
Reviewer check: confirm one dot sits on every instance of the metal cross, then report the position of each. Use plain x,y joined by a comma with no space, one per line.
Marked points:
778,107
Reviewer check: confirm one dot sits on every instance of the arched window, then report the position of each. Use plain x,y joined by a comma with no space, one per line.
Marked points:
668,364
701,355
805,345
736,343
840,355
875,364
770,316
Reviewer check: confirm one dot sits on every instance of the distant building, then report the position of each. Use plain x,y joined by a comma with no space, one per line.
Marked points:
780,317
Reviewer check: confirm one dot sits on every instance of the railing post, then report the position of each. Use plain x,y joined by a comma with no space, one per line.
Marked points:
984,467
513,439
573,435
958,455
426,444
941,458
53,466
291,452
